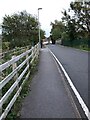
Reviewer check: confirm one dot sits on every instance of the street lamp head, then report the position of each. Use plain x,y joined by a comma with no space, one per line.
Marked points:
39,8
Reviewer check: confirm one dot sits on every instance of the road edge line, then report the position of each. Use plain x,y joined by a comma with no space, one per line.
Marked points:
83,105
68,91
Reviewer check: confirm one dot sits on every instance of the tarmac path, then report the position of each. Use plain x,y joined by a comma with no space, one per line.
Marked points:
48,97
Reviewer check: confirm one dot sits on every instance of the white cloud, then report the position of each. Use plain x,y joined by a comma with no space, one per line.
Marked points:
51,9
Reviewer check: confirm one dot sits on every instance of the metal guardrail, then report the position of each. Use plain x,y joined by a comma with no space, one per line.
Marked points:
29,57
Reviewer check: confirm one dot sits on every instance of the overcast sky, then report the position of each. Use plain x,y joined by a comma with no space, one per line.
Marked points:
51,10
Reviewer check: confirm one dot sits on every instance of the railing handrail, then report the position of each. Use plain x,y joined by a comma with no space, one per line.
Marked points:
13,50
30,56
13,60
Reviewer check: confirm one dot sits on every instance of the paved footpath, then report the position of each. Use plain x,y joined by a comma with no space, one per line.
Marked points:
48,97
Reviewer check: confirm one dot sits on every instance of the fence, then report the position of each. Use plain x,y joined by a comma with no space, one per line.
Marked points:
14,51
11,85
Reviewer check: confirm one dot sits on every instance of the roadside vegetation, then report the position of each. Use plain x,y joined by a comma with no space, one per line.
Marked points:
20,30
74,28
7,55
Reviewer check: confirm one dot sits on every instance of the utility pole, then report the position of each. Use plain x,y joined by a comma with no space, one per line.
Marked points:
39,28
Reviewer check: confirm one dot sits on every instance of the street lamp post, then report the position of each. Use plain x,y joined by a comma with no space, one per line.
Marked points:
39,28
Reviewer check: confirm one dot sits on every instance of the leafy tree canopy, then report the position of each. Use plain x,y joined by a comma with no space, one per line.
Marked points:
20,29
74,29
57,28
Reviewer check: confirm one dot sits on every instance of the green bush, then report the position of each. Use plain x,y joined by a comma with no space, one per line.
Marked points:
5,45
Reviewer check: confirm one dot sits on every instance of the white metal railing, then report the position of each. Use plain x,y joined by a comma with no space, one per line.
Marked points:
16,77
13,51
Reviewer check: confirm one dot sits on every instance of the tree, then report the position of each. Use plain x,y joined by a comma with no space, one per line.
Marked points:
82,17
78,23
20,29
56,31
42,33
82,14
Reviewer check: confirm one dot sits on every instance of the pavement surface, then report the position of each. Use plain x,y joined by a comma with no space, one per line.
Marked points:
75,63
48,97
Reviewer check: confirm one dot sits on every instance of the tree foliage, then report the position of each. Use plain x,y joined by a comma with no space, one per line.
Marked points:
76,23
57,29
20,29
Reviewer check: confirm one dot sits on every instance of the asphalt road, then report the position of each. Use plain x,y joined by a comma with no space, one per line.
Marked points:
48,97
75,63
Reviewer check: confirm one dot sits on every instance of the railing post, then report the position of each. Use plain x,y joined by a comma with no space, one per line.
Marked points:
0,72
14,66
27,57
32,52
37,49
0,98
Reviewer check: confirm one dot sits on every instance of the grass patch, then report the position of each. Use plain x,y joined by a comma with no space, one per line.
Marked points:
82,48
15,111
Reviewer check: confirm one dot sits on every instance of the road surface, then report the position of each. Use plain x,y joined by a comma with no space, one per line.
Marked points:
75,63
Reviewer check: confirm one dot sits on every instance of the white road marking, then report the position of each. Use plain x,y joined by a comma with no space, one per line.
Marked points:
68,91
82,103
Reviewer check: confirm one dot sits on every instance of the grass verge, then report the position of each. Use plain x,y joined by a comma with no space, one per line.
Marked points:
83,48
